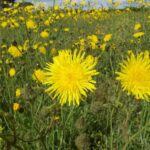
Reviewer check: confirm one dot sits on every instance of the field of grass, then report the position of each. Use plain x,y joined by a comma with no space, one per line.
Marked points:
107,118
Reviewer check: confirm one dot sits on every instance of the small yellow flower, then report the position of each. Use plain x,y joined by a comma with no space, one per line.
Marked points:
26,45
82,3
137,26
107,37
4,24
56,7
38,75
103,46
36,45
66,29
12,72
44,34
56,118
54,52
16,106
42,50
18,92
93,45
93,38
138,34
8,61
47,23
30,24
14,51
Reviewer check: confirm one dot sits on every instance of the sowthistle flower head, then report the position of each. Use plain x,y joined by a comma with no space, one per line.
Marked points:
69,77
134,75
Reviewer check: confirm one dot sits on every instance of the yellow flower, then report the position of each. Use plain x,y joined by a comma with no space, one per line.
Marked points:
107,37
56,7
66,29
47,23
56,118
93,38
36,45
26,45
103,46
69,77
54,52
4,24
82,3
137,26
42,50
38,75
8,61
138,34
14,51
44,34
30,24
131,1
12,72
135,75
82,42
18,92
93,45
16,106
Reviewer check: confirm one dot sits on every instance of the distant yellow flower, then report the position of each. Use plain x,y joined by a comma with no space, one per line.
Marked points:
30,24
4,24
82,3
29,8
93,45
36,45
16,107
56,118
38,75
8,61
54,52
109,1
62,15
42,50
26,45
138,34
18,92
137,26
47,23
135,75
93,38
107,37
92,41
66,29
82,44
44,34
69,77
131,1
56,7
12,72
103,46
14,51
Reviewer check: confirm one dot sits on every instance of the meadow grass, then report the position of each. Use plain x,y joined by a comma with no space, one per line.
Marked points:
108,119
